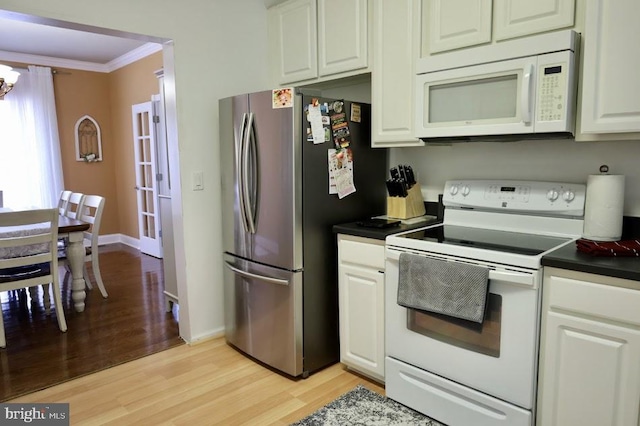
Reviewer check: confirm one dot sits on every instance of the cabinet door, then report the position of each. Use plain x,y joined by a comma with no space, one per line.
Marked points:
590,346
610,79
295,32
396,44
342,35
361,306
590,377
459,23
515,18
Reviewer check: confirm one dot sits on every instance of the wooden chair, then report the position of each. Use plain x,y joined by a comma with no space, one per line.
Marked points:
63,201
91,211
74,205
28,255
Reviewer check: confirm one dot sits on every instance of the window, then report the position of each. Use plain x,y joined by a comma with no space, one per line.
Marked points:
30,165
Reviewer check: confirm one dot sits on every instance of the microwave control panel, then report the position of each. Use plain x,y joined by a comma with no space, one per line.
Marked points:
552,84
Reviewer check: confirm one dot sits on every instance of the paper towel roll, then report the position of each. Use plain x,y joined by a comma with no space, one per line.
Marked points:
603,209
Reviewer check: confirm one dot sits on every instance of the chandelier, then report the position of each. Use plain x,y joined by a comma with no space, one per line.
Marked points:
8,78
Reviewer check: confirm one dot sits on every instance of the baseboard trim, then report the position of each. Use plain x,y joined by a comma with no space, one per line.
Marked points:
119,238
213,334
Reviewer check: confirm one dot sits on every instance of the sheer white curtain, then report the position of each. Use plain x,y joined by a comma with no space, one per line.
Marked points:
30,160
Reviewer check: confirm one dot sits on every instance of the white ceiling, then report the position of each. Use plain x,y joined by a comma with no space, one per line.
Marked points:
41,44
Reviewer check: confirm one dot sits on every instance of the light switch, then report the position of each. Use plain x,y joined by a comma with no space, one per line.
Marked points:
198,181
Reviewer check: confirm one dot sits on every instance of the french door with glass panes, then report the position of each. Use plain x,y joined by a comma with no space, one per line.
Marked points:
144,143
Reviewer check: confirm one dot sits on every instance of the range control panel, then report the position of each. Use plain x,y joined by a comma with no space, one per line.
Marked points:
556,198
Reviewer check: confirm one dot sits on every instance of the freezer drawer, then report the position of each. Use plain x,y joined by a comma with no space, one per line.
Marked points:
263,313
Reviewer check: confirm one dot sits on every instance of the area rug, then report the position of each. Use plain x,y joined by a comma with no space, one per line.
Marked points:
361,406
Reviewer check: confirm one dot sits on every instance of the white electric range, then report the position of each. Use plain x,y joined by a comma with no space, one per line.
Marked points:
456,371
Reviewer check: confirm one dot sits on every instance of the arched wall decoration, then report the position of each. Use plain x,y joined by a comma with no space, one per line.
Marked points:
88,140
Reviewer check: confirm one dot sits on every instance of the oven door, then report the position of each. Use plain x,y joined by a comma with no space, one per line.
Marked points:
497,358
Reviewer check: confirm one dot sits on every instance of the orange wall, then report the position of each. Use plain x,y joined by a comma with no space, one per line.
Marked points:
80,93
107,97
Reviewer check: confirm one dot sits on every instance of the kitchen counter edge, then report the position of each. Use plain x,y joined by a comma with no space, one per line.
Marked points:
352,228
568,257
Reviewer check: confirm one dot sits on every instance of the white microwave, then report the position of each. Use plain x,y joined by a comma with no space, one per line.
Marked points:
524,88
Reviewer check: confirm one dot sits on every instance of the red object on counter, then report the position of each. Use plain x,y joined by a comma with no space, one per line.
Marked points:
627,248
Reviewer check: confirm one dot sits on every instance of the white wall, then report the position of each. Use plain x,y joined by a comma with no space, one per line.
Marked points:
550,160
219,50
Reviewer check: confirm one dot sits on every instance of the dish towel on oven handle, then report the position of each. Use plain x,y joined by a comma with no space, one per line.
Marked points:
450,288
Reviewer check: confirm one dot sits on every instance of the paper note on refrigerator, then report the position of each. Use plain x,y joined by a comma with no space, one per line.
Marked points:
341,172
317,128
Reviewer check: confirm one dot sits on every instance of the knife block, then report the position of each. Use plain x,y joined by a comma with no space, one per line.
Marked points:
406,207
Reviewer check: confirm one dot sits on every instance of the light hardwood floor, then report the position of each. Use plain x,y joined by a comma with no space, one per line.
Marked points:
205,384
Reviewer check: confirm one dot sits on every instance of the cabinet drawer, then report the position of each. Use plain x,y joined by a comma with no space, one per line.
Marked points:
361,251
593,299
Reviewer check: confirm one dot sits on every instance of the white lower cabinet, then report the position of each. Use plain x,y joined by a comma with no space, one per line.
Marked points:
590,350
361,304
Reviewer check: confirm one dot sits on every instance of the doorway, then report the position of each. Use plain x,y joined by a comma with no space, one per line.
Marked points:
167,53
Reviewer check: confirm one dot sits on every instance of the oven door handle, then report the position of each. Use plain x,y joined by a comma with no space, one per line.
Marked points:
524,279
513,277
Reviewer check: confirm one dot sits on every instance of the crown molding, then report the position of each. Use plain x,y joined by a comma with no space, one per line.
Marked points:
133,56
126,59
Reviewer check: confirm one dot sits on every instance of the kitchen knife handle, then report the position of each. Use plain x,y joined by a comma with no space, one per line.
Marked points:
394,173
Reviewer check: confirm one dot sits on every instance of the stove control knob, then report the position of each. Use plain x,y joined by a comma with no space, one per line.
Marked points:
552,195
465,190
453,190
568,196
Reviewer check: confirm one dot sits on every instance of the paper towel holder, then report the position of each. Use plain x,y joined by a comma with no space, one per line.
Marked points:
604,206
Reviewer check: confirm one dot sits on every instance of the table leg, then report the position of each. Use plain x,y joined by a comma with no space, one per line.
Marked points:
75,256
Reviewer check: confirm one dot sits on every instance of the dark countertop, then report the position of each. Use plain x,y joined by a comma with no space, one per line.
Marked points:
568,257
352,228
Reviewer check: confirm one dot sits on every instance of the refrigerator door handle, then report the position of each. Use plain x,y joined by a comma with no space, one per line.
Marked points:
249,185
256,276
240,173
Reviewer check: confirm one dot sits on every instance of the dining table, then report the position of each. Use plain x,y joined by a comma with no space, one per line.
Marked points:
73,231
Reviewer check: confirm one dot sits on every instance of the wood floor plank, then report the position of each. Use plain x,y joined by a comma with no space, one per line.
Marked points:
242,393
205,383
131,323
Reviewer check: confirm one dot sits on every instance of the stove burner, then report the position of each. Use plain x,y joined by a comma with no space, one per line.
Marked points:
504,241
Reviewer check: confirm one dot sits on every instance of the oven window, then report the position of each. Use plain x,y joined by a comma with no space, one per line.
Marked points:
482,338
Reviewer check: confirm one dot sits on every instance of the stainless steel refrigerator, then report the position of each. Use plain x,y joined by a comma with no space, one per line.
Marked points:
280,254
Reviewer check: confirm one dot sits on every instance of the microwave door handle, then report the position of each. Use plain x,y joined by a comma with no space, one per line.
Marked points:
525,99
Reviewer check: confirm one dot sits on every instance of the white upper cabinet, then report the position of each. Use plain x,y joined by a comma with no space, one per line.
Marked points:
293,26
515,18
342,36
396,46
611,60
312,39
458,23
